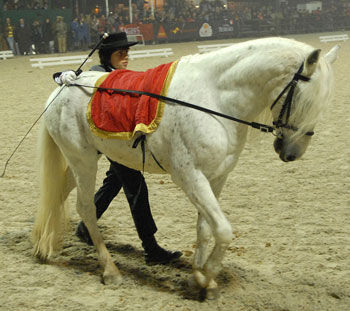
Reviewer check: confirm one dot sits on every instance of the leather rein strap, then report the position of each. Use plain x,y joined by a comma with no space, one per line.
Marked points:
286,107
259,126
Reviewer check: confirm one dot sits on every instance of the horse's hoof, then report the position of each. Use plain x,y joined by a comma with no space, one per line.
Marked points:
39,258
112,279
212,293
192,283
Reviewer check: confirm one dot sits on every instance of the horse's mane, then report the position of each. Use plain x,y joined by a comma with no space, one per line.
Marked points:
313,98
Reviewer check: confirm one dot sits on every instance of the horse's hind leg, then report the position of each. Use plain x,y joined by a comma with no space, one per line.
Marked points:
69,183
85,177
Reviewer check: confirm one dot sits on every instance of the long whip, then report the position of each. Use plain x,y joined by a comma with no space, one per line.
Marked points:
78,72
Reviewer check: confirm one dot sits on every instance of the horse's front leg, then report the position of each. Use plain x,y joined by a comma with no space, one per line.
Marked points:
201,194
204,233
203,238
85,180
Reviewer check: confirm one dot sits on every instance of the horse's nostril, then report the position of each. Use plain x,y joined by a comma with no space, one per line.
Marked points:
291,158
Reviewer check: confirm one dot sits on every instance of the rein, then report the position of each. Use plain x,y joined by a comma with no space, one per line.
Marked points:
286,107
262,127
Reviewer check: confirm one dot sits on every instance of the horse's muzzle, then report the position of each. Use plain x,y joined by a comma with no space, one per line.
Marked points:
285,156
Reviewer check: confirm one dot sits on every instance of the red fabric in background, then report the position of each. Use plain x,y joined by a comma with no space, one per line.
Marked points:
115,112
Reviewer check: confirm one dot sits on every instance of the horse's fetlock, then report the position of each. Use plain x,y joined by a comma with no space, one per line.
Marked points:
200,278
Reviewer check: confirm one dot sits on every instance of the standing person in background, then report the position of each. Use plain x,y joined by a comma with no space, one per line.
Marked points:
48,36
94,35
10,35
37,37
110,23
3,44
101,28
23,37
83,34
113,55
61,34
75,32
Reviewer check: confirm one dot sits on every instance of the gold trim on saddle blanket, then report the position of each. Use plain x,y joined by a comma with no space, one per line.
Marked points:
141,126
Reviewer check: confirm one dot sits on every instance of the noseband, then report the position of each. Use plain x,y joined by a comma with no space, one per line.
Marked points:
287,104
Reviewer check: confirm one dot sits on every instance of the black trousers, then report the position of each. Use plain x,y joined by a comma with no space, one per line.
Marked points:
136,192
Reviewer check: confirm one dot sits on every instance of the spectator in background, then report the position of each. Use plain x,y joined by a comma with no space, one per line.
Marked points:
140,4
83,34
116,22
110,22
37,37
10,35
48,36
23,37
75,33
61,34
94,35
3,43
36,5
101,27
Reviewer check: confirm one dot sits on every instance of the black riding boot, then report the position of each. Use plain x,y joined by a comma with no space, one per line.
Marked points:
154,254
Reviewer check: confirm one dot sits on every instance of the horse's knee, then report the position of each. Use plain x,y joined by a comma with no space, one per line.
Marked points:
224,235
86,210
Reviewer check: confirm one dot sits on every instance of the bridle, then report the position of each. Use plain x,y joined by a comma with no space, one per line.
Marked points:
287,104
284,113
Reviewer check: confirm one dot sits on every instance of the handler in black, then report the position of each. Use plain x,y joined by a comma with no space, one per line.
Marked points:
113,53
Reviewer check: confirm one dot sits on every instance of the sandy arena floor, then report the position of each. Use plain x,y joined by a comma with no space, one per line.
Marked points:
291,221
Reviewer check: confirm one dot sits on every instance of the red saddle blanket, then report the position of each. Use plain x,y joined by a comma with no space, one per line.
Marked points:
121,115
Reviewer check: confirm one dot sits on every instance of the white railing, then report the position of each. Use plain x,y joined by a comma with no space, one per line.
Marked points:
212,47
151,53
60,60
6,54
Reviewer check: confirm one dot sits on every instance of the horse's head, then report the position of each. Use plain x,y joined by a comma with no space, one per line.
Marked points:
304,99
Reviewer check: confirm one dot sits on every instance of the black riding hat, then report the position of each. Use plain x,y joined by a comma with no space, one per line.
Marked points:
116,41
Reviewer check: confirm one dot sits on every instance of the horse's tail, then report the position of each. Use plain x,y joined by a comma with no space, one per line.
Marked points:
50,222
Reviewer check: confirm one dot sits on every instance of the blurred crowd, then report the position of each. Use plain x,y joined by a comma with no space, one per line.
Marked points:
25,5
36,38
47,36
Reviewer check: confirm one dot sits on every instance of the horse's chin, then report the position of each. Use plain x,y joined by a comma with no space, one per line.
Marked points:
288,158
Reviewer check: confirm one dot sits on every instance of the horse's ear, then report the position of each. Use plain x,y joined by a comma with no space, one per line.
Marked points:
311,62
332,55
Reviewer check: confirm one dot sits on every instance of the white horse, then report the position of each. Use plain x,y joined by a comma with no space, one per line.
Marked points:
197,149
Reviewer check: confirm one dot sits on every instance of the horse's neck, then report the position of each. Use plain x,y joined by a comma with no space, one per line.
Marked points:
248,78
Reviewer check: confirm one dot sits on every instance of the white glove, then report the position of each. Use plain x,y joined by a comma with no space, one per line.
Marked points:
67,77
